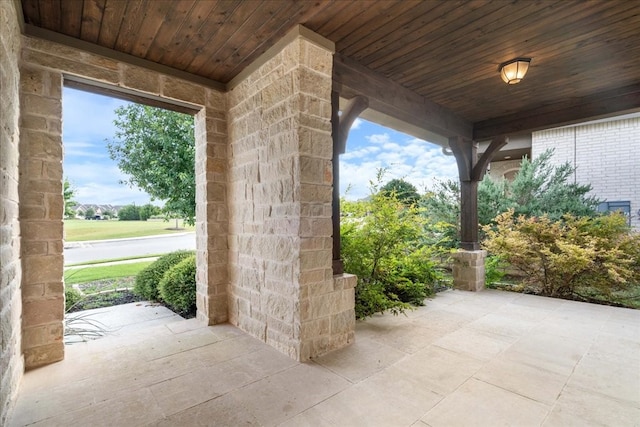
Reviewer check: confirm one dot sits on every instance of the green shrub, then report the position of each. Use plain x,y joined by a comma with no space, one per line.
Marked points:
71,297
178,285
372,298
148,279
494,268
564,258
382,244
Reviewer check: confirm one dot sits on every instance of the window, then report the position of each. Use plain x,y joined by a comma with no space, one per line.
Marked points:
619,206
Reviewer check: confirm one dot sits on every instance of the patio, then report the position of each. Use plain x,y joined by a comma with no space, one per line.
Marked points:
489,358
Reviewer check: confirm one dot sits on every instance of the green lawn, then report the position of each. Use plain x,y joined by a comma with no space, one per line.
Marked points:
90,274
78,230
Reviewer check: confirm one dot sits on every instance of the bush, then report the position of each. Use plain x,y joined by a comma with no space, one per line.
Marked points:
382,245
565,258
71,297
494,267
148,279
372,298
178,285
539,188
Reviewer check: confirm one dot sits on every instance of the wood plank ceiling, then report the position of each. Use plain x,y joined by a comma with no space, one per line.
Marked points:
447,51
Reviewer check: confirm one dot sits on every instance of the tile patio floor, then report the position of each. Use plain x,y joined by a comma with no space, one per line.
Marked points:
465,359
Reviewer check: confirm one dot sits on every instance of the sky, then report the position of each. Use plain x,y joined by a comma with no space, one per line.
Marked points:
88,126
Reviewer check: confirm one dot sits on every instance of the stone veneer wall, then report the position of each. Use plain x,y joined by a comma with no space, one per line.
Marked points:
11,360
212,222
41,211
41,201
282,289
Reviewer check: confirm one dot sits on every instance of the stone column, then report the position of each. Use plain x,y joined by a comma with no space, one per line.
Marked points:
41,212
468,270
282,289
211,210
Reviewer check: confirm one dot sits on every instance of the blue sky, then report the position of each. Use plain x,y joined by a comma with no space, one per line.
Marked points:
88,125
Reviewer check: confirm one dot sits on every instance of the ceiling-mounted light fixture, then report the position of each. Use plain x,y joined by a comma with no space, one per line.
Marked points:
513,71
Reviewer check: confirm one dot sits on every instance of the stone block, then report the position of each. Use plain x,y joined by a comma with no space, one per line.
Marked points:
43,335
140,79
32,81
317,58
343,322
79,68
172,87
41,230
43,355
42,312
43,269
468,270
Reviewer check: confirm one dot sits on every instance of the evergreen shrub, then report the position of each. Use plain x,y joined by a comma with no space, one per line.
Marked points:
178,285
147,280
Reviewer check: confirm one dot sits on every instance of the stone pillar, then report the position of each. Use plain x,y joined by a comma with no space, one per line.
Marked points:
282,289
211,210
41,212
468,270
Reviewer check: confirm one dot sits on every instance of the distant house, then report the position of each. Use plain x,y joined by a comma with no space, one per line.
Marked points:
605,153
99,210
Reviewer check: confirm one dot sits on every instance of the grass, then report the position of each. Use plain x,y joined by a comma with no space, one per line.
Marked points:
78,230
91,274
104,261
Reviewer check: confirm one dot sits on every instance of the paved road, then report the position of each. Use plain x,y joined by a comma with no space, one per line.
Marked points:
76,252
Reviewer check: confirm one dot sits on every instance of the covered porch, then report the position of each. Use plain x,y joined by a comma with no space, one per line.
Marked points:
265,81
482,359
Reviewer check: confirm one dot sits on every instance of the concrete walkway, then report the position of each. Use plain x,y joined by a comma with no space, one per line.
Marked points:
465,359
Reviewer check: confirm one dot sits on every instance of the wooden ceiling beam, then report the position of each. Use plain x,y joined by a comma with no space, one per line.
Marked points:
389,98
575,110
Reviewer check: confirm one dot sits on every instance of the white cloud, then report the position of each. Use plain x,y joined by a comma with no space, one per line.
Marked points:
95,182
414,160
110,194
356,124
83,149
361,153
379,138
88,116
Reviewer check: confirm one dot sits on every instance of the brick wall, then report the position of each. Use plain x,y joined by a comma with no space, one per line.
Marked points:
505,167
606,155
11,360
282,287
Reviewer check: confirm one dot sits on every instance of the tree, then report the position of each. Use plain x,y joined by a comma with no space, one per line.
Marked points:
404,191
129,213
539,188
89,213
148,210
156,148
68,192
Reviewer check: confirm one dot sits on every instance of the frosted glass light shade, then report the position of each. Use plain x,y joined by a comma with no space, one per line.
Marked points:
514,71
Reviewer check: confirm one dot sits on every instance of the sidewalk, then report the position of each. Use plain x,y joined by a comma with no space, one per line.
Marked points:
68,245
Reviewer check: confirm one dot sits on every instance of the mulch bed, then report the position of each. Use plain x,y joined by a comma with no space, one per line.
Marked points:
107,293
